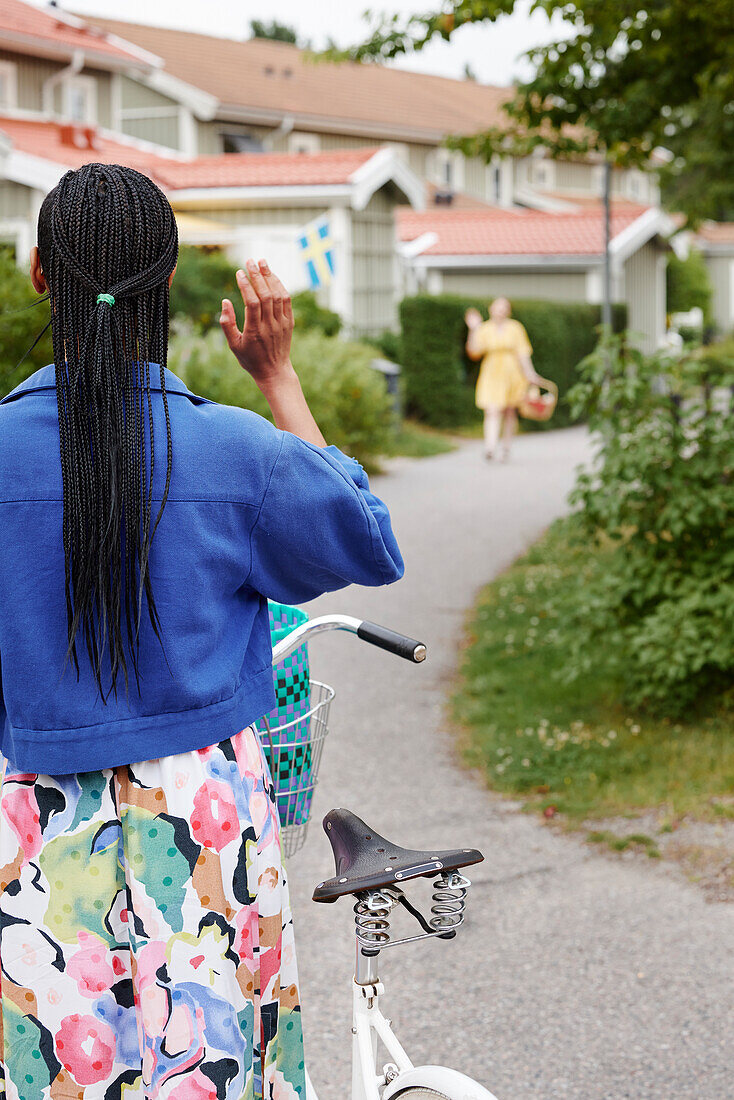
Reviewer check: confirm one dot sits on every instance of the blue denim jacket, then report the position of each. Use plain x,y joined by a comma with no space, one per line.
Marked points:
252,512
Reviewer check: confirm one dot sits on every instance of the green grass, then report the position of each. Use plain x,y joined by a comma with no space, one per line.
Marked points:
417,441
575,746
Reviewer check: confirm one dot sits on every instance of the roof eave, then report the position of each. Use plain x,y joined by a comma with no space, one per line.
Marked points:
337,194
265,116
499,260
43,47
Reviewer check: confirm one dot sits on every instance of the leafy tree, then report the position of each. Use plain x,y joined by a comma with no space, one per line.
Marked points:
627,80
688,284
275,31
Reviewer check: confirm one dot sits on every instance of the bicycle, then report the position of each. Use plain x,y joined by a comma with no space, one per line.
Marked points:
373,870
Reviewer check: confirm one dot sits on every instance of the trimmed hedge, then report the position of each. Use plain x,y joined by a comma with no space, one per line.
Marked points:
439,377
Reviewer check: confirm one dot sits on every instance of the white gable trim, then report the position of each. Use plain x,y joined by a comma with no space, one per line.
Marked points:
35,172
386,166
651,223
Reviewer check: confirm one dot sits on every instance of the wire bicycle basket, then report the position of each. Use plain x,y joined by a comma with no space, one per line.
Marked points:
292,735
293,750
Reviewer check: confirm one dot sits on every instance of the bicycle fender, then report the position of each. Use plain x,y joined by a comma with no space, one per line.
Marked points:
446,1082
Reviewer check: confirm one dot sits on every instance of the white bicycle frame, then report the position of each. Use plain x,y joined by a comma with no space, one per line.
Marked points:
370,1027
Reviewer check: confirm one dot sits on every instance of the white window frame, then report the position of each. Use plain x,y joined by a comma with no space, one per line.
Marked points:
89,85
548,169
10,70
302,142
635,185
443,158
495,191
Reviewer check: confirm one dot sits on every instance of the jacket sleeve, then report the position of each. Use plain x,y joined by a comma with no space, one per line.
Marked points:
319,527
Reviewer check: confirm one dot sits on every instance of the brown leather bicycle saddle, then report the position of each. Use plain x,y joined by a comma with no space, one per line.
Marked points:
367,861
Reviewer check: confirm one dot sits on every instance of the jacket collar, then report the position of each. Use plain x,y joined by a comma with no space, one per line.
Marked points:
45,379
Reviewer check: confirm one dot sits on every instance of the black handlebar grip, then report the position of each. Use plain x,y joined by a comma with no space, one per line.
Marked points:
398,644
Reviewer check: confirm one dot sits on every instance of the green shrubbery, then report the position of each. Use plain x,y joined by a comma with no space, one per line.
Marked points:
439,378
18,330
347,397
661,496
308,314
203,277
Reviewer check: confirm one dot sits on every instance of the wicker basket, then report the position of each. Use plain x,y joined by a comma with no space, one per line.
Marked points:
539,406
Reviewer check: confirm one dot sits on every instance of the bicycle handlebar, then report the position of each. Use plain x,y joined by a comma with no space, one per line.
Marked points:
399,644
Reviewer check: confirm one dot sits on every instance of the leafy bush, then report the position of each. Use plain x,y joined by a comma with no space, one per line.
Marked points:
661,494
308,314
439,378
203,277
688,284
388,344
347,397
18,330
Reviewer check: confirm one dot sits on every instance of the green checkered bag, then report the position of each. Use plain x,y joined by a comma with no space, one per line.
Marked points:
285,732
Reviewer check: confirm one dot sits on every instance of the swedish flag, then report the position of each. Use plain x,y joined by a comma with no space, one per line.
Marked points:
318,252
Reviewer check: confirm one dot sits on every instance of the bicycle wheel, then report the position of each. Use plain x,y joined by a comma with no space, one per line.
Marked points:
435,1083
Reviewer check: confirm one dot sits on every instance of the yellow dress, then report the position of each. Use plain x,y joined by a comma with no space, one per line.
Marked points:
501,382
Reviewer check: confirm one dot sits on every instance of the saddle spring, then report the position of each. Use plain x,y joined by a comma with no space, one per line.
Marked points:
372,918
449,900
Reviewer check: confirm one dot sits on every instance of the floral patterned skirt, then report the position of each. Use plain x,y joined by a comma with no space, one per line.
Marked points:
146,941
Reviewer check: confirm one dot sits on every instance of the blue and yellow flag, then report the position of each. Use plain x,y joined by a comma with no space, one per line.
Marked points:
317,248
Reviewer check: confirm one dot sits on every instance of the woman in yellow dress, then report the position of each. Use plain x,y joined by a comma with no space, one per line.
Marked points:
505,374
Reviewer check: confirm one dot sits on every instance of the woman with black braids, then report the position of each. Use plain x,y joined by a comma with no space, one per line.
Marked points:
146,944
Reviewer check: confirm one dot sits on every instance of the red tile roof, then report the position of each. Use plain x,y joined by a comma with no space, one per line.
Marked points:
499,232
267,169
21,22
55,142
717,233
276,79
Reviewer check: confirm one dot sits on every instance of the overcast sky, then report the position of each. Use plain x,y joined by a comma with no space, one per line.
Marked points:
492,51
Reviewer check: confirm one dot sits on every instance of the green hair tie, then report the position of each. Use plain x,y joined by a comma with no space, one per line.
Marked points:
108,298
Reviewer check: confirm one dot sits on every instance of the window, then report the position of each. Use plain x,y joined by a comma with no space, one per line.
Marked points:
634,184
8,84
494,172
80,99
241,143
448,170
304,143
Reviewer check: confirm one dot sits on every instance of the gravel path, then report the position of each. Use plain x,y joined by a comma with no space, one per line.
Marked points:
575,975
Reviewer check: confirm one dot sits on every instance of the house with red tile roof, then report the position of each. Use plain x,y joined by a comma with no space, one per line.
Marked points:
253,140
254,205
557,255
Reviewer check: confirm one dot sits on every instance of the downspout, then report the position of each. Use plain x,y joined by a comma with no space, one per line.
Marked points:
280,131
74,67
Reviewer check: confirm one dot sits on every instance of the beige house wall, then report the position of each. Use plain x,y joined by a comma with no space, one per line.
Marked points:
374,269
644,293
559,286
15,200
32,72
721,272
148,115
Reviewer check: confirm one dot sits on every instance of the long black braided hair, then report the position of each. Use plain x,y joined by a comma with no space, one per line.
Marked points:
108,242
